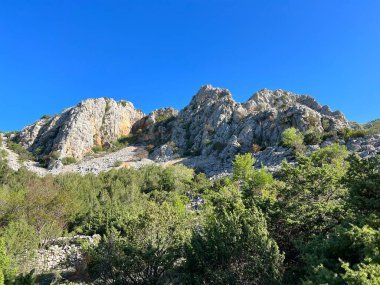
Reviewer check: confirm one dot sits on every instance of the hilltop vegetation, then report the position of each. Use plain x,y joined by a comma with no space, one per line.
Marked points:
373,126
317,222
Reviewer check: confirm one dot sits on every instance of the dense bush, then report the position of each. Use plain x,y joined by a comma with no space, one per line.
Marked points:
293,138
313,137
21,151
148,250
373,127
45,117
97,148
3,154
351,133
68,160
233,245
315,222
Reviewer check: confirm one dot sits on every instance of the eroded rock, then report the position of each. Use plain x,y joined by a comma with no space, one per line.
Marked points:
77,130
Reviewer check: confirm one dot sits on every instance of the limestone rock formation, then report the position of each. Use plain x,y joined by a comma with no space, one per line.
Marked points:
156,127
205,135
77,130
213,124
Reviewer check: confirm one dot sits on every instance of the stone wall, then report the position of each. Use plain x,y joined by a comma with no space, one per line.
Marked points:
62,254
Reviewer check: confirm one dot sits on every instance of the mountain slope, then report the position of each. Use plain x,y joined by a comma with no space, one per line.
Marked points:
77,130
213,124
206,134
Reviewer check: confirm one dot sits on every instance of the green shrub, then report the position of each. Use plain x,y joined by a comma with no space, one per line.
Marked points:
325,124
3,154
126,140
20,150
118,163
22,242
150,248
45,117
292,138
322,213
55,155
68,160
161,118
232,243
373,127
330,135
351,133
4,262
97,148
108,106
313,137
45,160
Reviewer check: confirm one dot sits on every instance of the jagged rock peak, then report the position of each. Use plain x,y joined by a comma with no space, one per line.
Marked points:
266,99
214,125
208,93
77,129
262,100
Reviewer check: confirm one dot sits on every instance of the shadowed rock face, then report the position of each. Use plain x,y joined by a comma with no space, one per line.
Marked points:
76,130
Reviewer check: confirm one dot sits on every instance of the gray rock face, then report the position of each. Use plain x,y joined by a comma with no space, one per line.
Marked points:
155,117
76,130
213,124
164,153
272,157
365,146
207,133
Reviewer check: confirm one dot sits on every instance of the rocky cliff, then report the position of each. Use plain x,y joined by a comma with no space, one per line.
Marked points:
206,134
77,130
214,125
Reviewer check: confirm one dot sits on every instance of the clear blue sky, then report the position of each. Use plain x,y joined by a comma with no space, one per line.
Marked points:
158,53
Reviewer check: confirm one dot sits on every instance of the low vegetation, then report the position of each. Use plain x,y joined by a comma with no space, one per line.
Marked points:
20,150
45,117
97,148
3,154
293,138
373,126
120,143
68,160
317,222
118,163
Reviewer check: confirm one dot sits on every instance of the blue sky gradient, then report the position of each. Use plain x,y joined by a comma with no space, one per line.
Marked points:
158,53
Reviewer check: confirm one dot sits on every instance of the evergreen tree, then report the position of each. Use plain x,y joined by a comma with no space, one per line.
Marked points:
232,246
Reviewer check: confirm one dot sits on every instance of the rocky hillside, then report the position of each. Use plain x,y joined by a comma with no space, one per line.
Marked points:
75,131
213,123
214,128
206,134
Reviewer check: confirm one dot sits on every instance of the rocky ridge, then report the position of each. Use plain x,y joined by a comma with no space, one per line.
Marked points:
75,131
205,135
214,128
